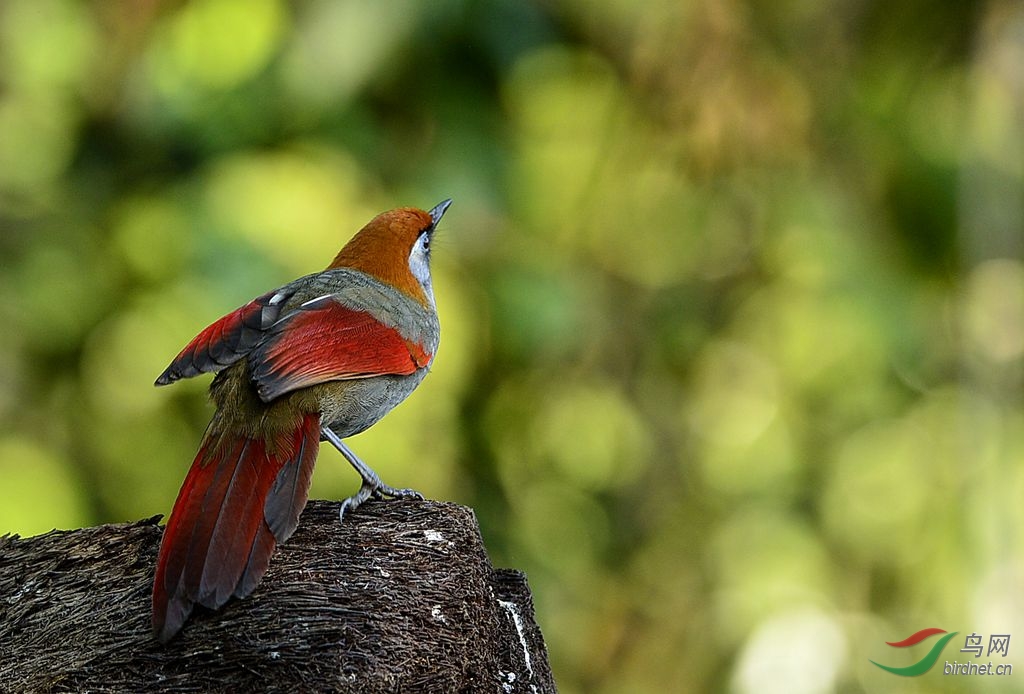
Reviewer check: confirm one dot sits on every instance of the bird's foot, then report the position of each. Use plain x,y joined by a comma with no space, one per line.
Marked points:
372,484
377,490
383,491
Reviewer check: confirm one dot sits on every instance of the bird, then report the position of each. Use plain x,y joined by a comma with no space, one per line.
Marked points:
321,358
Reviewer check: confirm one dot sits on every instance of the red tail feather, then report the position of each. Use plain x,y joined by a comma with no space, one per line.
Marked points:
241,497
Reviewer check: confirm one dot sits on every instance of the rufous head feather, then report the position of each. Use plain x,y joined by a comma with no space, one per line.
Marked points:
382,248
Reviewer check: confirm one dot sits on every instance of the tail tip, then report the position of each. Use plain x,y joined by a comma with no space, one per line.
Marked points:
169,618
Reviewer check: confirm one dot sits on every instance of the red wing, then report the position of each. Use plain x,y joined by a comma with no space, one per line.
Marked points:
325,341
227,340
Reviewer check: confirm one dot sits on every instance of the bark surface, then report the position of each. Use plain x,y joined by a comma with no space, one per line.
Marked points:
402,597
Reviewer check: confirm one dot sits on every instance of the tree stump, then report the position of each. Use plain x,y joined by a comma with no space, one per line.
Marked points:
401,597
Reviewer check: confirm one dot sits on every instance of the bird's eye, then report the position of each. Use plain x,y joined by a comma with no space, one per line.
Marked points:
425,242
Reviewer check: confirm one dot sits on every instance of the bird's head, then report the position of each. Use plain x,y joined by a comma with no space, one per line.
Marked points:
394,247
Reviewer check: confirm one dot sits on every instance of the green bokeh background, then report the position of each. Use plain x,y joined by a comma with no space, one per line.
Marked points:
732,297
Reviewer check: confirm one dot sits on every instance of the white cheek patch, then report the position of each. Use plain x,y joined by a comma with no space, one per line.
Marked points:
419,266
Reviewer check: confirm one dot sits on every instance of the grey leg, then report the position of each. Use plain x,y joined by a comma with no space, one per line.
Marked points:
372,484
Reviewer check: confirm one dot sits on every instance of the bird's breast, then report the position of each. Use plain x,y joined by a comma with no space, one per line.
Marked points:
349,407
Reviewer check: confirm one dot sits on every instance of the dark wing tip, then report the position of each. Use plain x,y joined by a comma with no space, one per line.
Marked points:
268,386
167,377
180,368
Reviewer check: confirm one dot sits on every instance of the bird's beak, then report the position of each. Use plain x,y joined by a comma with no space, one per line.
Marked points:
438,211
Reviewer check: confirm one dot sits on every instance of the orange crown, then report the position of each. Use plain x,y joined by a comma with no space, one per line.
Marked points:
382,247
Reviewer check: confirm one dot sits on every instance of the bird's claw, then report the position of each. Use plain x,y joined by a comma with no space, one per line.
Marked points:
385,490
372,485
378,491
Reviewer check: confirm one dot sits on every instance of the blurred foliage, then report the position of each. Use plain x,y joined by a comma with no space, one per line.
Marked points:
732,295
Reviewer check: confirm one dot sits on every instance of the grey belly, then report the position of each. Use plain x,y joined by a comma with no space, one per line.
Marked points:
361,403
